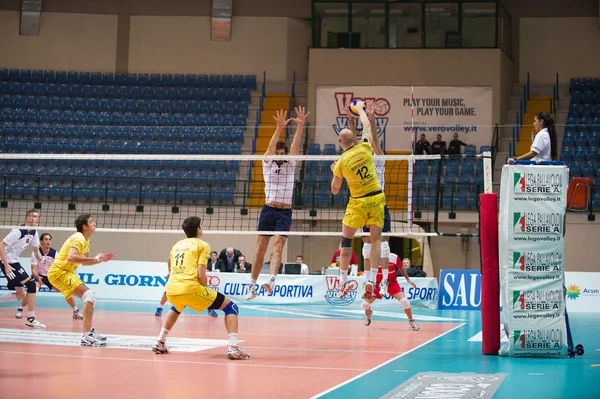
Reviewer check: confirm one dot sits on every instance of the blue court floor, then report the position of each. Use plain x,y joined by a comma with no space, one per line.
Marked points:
451,352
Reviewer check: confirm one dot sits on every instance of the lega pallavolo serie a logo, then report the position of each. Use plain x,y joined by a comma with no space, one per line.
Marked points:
544,339
537,222
537,261
537,183
537,300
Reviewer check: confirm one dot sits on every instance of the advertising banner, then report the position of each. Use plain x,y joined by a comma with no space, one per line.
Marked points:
145,281
532,210
443,110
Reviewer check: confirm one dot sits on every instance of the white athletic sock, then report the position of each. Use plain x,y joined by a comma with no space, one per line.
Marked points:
343,276
367,275
272,277
31,314
163,334
373,274
252,281
75,309
385,273
232,339
20,308
160,305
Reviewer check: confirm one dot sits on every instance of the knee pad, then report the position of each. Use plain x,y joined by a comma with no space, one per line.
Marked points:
89,296
405,303
231,308
385,250
346,242
366,251
365,305
31,286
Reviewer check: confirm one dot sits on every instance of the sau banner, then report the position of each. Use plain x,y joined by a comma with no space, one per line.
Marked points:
441,110
460,289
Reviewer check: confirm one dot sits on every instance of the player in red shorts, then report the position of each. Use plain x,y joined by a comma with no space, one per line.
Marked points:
394,290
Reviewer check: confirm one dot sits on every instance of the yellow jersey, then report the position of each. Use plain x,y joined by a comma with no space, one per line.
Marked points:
356,165
77,241
185,257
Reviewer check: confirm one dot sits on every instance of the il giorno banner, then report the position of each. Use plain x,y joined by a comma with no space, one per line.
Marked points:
437,110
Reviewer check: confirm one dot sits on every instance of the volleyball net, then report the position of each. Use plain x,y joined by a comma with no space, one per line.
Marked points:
149,192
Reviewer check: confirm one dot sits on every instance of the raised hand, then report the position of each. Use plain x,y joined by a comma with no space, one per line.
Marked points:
371,107
280,118
301,115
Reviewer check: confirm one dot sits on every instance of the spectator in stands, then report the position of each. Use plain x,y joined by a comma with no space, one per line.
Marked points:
303,266
336,263
438,146
544,146
229,256
423,147
454,147
353,258
214,263
243,266
412,271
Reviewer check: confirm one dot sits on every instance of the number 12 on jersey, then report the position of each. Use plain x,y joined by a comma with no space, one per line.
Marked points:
363,172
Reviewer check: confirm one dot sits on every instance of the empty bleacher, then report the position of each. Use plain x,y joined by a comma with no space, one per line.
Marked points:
581,137
67,112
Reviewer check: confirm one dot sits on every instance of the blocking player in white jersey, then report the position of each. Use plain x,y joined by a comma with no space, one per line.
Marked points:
276,214
370,271
48,255
10,249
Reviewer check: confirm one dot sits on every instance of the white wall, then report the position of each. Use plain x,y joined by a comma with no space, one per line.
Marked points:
77,42
569,46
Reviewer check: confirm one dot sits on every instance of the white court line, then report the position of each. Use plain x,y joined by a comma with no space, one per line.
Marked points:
536,373
317,349
383,364
210,333
239,363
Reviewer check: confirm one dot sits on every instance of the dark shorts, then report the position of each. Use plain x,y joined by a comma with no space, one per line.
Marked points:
275,219
20,275
46,282
387,222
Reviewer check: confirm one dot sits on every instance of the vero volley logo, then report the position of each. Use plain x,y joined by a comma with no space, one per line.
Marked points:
333,286
520,182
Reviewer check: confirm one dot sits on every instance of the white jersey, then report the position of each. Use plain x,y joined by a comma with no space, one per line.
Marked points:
279,181
16,242
393,258
380,171
541,145
47,260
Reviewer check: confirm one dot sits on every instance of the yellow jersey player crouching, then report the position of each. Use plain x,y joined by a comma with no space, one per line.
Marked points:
187,286
366,204
63,275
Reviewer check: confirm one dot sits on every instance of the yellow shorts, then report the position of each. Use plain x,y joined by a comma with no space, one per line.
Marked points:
64,281
365,211
199,300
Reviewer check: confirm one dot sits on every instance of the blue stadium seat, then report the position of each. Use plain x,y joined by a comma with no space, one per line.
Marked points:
178,80
245,95
197,94
592,153
239,121
221,94
3,75
25,75
241,107
209,94
148,93
124,92
166,106
204,107
202,80
154,80
172,94
214,81
89,91
233,95
251,82
226,81
580,139
112,92
191,80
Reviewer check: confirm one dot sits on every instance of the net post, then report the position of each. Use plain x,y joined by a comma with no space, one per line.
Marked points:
490,274
487,172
